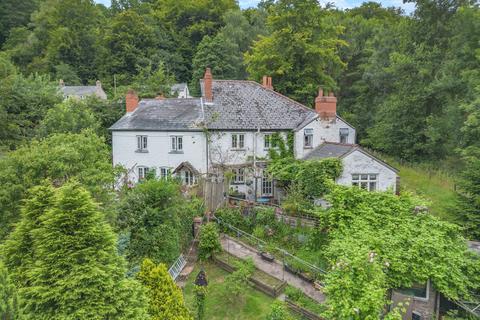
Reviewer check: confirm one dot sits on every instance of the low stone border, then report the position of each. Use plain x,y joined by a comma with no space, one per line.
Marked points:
301,310
271,291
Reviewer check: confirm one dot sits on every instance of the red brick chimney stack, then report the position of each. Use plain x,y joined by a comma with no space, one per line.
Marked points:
131,100
326,106
267,82
207,85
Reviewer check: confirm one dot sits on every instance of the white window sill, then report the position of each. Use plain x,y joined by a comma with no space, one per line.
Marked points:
237,149
141,151
176,152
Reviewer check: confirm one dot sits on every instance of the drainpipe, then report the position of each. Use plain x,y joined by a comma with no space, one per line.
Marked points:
255,135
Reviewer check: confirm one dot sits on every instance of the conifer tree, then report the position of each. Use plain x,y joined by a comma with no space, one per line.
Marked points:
166,299
8,301
77,273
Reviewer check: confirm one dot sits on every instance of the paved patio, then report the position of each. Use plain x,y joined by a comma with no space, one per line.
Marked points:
275,269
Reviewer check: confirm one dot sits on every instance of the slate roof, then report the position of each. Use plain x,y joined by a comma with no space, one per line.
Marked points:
237,105
163,115
247,105
330,150
78,90
340,150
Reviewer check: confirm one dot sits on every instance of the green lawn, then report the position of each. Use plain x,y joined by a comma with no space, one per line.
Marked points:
255,305
433,186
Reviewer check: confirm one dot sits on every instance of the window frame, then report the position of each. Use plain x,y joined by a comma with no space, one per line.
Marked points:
176,144
142,143
237,141
267,184
343,135
164,172
365,179
307,138
144,170
237,175
188,178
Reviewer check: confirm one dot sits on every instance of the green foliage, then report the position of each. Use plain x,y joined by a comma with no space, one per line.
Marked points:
60,158
301,52
71,116
157,219
77,272
200,296
8,296
379,240
312,177
237,282
469,194
209,242
165,298
24,103
278,312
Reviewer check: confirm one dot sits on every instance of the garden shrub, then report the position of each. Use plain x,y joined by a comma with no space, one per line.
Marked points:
278,312
209,242
237,282
156,220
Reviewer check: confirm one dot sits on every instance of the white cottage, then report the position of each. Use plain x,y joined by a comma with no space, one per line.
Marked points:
229,128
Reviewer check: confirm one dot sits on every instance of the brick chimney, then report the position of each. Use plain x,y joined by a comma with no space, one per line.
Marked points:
326,106
207,85
267,82
131,100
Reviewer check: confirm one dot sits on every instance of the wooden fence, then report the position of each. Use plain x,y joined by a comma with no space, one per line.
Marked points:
214,190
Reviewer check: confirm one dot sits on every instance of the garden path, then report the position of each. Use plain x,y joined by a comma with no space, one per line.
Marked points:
275,269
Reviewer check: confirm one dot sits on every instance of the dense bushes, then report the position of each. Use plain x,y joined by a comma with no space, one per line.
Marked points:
156,220
312,178
209,242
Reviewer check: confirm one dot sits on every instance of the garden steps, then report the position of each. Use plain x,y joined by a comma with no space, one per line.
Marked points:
275,269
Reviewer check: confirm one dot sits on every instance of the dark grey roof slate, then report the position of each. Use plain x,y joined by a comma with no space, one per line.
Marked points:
330,150
78,90
162,115
246,105
340,150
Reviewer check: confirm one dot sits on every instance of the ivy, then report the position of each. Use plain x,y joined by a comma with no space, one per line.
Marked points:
312,177
376,240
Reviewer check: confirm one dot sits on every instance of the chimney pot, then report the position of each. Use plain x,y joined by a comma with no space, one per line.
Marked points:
131,101
269,83
326,106
99,84
265,81
61,83
207,85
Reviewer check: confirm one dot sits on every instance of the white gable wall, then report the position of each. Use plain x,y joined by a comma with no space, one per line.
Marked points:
159,151
358,162
323,131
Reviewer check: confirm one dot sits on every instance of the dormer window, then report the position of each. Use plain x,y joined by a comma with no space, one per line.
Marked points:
344,135
142,143
308,138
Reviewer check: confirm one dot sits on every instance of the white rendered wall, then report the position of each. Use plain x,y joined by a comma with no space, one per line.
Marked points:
221,151
159,150
358,162
323,131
